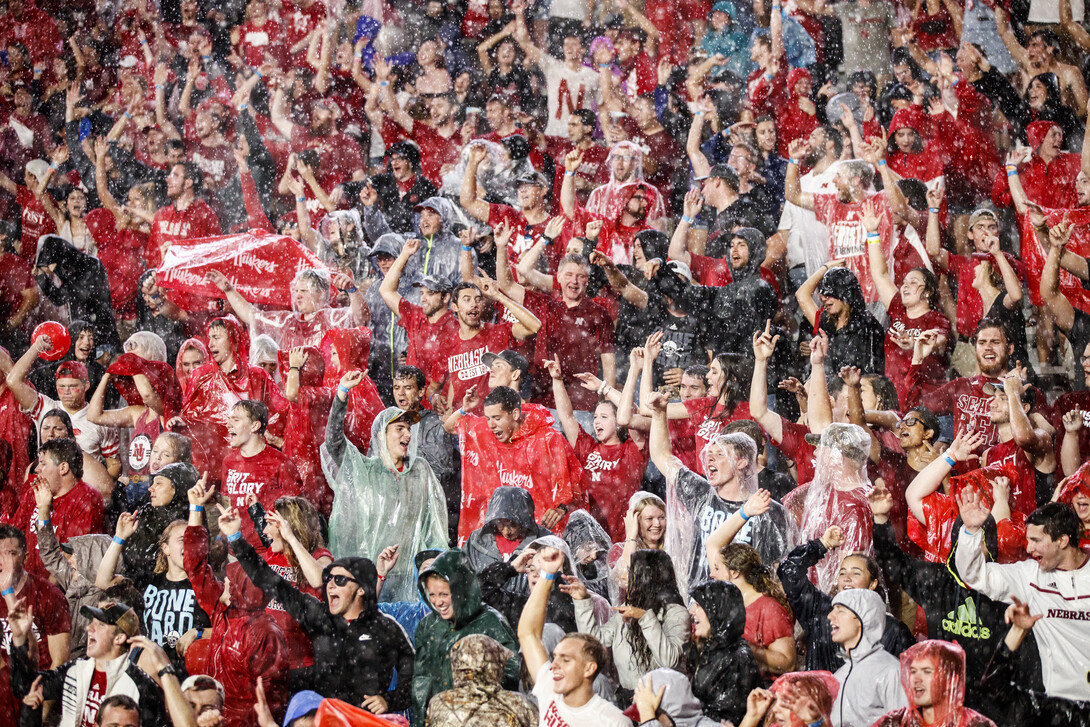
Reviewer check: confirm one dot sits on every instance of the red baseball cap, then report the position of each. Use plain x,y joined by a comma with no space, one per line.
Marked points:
72,370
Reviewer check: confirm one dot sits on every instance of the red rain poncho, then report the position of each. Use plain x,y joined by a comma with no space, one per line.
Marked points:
335,713
947,689
304,428
183,377
162,377
538,458
15,428
1077,484
941,510
245,643
1033,254
821,687
211,394
353,347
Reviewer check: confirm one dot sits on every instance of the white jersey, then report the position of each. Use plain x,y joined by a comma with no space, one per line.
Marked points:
97,441
553,712
808,239
1061,597
568,90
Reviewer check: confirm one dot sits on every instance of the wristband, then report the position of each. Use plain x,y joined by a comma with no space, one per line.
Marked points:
144,42
205,58
301,200
687,219
383,84
294,368
769,77
45,523
1009,167
467,248
243,107
603,65
159,87
792,161
1012,173
949,460
547,240
817,723
200,634
881,162
698,113
7,592
461,411
119,541
742,512
933,210
569,174
257,73
234,536
128,115
196,508
342,389
550,576
351,290
381,578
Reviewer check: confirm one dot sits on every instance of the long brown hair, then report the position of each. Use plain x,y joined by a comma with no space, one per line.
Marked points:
161,564
302,518
745,560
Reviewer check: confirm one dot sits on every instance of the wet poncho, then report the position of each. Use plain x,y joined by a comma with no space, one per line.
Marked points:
589,544
836,496
292,328
375,506
947,689
608,201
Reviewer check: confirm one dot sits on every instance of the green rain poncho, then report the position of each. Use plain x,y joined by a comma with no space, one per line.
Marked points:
375,506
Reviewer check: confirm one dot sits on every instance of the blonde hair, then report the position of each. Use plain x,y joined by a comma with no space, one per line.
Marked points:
302,518
638,508
161,563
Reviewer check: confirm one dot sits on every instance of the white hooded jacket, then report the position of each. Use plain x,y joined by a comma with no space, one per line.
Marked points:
870,680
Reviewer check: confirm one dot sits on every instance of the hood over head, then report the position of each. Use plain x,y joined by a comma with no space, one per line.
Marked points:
390,244
841,283
794,76
465,592
755,241
353,346
655,244
478,661
870,609
160,375
910,118
1078,483
820,686
510,503
263,350
239,339
183,476
313,371
441,206
245,596
1036,132
366,576
195,343
378,441
726,610
407,149
947,681
555,541
678,701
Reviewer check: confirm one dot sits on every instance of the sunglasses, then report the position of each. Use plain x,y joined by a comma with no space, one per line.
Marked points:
340,580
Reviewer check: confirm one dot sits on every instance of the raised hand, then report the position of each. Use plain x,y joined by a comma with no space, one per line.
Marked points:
851,375
764,343
881,503
126,525
757,503
352,379
218,279
819,349
553,367
201,492
387,559
1018,615
694,202
1073,421
230,521
833,537
573,159
555,226
963,446
574,588
974,513
653,345
471,399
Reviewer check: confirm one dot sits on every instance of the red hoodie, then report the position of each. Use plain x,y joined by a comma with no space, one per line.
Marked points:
353,346
245,643
304,430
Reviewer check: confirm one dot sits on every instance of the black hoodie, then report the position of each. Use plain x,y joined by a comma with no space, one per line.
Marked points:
724,669
84,287
861,342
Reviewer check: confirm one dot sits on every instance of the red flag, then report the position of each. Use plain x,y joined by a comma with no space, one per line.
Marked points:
260,265
1033,254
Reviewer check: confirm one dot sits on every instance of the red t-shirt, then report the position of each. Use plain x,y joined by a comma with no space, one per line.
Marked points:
1024,489
298,22
848,237
611,474
51,615
425,337
933,369
1073,400
300,653
255,41
217,162
268,474
615,241
970,307
766,621
715,272
505,546
460,362
170,224
77,512
15,277
962,397
797,449
579,336
35,223
527,235
339,154
708,418
96,692
435,149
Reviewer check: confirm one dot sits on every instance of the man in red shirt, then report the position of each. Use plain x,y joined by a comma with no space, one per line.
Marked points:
301,18
637,69
581,125
70,505
52,622
253,467
187,216
426,324
1048,174
19,292
513,444
461,366
616,239
33,28
437,136
339,157
1025,442
35,220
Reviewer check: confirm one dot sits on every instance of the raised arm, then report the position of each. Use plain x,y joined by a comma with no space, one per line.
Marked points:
930,477
468,193
1006,34
23,392
564,410
276,114
572,160
1035,441
1074,30
757,504
114,417
659,440
532,621
1062,310
335,441
522,37
1070,456
879,270
527,265
527,324
617,280
804,296
699,162
764,344
487,45
679,241
792,187
933,239
388,288
107,567
243,308
820,412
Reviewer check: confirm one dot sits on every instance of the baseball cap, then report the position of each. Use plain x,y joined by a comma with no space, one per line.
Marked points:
202,682
434,283
681,269
723,171
980,214
408,416
115,614
533,178
71,370
511,358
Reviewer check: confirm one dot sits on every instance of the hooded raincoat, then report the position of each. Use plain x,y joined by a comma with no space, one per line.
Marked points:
353,347
861,342
435,636
440,254
870,679
478,697
141,549
76,579
375,505
246,644
947,689
183,377
507,503
723,666
304,428
78,281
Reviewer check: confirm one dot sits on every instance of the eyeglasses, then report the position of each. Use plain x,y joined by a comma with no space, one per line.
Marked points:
340,580
910,421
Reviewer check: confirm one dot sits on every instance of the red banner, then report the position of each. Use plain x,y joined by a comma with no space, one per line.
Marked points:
1033,254
260,265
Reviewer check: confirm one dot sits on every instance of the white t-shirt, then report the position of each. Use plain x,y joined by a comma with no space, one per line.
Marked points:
808,239
100,442
567,90
553,712
1048,11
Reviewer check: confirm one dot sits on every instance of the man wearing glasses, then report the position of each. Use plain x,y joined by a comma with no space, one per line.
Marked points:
357,648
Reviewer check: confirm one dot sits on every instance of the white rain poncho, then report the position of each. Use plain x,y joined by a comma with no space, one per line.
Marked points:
694,510
289,329
625,164
375,506
342,240
589,544
496,175
836,496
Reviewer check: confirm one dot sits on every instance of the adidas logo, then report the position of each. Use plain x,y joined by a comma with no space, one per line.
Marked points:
963,622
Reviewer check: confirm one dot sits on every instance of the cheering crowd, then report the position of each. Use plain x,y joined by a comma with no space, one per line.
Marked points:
544,362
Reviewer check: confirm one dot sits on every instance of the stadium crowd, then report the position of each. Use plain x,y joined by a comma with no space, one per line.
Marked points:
544,362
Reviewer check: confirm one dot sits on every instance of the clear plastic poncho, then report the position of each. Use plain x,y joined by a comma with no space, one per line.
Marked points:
836,496
589,544
341,240
496,175
945,683
375,506
289,329
609,200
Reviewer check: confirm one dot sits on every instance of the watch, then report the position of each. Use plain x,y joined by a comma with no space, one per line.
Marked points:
168,669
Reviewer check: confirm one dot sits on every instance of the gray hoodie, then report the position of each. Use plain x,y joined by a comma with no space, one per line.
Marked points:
76,578
440,254
507,503
870,680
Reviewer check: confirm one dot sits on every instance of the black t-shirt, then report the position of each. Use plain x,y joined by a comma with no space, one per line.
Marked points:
684,342
170,610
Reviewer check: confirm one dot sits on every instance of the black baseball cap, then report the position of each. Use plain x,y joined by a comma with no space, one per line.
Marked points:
114,614
434,283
